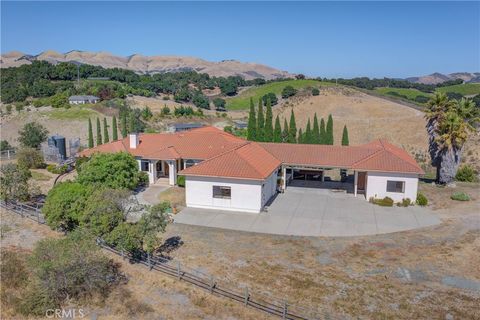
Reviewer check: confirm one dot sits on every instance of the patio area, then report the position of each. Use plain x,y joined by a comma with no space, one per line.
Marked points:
303,211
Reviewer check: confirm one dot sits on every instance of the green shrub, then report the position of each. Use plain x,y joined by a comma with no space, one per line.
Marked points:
30,158
385,202
460,196
181,181
5,145
405,203
79,162
143,179
14,182
111,170
315,92
65,204
421,199
72,268
466,173
104,210
32,135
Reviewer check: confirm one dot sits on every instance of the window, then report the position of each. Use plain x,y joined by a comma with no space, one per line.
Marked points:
222,192
396,186
144,165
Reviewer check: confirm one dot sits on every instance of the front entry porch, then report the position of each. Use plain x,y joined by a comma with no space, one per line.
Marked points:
160,171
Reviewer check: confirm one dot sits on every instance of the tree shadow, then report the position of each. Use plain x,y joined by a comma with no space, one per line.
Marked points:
171,244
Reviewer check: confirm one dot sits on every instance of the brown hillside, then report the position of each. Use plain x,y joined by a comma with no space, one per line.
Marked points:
150,64
366,117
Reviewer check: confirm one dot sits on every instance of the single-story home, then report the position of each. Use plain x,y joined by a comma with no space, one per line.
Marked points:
226,172
83,99
179,127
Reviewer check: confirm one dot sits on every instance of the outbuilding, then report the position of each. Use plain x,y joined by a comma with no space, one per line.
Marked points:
83,99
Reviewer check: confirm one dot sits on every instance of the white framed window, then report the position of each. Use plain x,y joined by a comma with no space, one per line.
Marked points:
222,192
144,165
395,186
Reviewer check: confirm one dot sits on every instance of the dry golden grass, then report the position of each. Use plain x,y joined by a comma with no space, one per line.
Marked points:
174,195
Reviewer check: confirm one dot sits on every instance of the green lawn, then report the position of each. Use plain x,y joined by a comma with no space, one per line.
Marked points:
242,101
465,89
73,113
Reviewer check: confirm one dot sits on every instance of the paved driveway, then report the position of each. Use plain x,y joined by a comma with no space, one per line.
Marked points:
315,212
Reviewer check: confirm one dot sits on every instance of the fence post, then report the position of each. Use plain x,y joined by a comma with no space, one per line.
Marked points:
285,306
38,214
178,270
123,254
8,154
149,261
246,296
21,211
212,284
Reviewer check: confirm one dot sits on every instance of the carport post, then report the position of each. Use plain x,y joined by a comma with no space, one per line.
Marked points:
355,183
284,174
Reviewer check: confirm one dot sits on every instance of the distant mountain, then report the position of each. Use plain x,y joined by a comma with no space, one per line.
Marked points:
436,77
149,65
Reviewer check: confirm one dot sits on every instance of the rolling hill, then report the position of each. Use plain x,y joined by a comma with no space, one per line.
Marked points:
150,64
242,100
437,77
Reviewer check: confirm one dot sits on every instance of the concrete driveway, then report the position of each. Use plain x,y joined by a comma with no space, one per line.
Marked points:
315,212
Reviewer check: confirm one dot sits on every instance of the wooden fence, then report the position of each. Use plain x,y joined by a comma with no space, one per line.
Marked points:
216,286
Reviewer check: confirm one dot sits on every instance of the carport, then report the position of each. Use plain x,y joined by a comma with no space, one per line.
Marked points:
313,176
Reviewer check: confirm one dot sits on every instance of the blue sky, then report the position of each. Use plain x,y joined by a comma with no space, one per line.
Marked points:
342,39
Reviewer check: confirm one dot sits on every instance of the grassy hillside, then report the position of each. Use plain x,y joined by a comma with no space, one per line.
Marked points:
413,95
242,101
465,89
409,94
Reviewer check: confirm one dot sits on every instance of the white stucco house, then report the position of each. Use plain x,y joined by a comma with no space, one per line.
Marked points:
83,99
229,173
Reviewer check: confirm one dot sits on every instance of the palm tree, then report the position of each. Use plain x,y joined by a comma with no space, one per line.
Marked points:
449,123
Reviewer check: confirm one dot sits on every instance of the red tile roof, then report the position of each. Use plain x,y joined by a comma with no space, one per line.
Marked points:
228,156
202,143
249,161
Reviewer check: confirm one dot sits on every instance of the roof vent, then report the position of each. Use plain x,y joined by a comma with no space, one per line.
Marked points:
134,141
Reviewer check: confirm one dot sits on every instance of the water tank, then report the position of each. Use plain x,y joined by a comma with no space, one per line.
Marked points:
59,142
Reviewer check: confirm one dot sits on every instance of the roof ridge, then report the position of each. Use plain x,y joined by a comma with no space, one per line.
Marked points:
260,145
225,152
398,157
368,157
253,144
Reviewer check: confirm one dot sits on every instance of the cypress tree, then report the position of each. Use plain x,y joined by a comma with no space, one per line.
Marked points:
260,122
316,131
99,133
90,134
277,132
308,133
323,133
114,129
106,137
292,129
124,125
252,123
268,123
131,124
329,139
285,131
301,136
345,141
